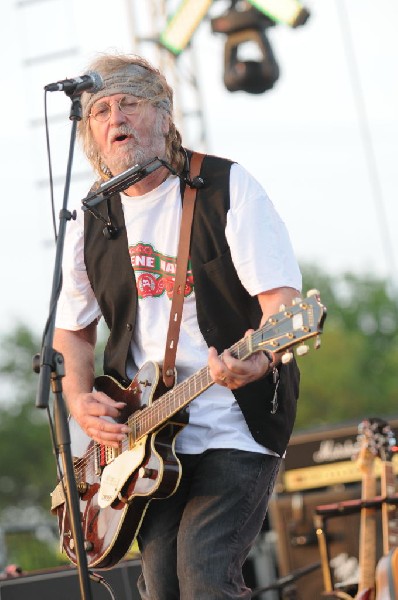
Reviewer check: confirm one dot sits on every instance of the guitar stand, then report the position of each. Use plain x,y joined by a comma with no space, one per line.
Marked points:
339,509
284,582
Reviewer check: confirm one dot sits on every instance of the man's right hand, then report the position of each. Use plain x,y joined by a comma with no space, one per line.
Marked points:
94,412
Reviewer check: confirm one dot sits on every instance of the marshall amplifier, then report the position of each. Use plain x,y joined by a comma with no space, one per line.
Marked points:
320,469
324,458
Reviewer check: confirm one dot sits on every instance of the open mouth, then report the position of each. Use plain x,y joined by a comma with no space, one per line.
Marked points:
121,138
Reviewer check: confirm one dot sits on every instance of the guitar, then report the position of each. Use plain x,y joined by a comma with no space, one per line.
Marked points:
387,567
371,436
115,486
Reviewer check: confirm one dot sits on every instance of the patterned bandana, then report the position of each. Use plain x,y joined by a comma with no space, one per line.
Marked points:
132,79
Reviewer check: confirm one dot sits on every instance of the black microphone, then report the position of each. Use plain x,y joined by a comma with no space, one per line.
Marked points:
122,181
90,82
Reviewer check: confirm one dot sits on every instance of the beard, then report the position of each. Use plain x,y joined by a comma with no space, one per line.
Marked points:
136,151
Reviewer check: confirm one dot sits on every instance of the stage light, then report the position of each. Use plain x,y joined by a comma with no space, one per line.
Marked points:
290,12
245,30
251,76
181,26
244,24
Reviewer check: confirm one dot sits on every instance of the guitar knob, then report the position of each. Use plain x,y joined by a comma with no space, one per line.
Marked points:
302,349
88,546
313,292
287,357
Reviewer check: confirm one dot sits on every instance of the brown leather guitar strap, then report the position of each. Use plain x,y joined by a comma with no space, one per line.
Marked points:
181,272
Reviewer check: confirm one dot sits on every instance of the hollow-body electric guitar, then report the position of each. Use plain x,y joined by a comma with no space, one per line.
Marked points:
115,486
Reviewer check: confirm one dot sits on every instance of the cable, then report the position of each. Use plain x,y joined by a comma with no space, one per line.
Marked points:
287,580
50,170
366,137
99,579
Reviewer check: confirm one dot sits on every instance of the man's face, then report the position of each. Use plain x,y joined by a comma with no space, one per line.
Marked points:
124,140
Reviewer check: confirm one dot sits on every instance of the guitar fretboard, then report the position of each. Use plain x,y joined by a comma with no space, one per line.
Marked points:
147,420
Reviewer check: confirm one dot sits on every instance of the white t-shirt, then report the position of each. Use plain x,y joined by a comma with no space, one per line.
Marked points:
264,260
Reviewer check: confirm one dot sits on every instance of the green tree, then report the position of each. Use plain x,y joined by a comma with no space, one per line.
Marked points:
27,465
26,460
354,375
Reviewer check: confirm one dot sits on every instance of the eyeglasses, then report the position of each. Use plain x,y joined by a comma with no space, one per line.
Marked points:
102,110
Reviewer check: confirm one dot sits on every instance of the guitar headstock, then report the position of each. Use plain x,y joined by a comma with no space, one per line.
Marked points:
376,440
292,326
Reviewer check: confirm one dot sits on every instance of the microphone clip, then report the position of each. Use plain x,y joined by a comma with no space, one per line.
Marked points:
196,183
110,232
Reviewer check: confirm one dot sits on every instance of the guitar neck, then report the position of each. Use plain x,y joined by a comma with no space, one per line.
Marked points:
146,421
367,544
389,514
150,418
290,327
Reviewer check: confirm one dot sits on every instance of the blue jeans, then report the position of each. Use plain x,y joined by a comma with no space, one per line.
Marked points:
194,543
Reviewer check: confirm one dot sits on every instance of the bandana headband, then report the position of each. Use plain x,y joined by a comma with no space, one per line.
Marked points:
132,79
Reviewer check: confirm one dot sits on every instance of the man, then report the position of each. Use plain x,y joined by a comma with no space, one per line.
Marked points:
241,269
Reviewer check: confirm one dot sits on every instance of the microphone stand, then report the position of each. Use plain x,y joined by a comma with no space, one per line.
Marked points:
283,582
50,366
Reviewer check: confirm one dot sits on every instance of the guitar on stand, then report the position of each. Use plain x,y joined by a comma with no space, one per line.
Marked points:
370,439
387,567
370,436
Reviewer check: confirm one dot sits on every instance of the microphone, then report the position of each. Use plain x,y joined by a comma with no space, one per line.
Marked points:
122,181
90,82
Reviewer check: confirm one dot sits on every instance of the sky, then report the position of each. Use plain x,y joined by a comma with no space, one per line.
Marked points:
323,142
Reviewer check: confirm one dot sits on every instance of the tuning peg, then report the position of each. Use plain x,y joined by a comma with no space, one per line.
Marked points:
317,343
287,357
297,300
302,349
313,292
282,307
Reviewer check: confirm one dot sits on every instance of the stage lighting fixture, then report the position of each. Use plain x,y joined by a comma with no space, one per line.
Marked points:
290,12
245,29
252,76
181,26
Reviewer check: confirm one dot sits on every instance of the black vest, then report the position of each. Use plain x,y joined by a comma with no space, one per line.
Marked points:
225,310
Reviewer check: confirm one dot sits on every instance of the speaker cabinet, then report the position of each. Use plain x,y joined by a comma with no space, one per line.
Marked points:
297,545
63,584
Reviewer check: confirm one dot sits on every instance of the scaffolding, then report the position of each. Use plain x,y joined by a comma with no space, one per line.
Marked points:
50,52
147,20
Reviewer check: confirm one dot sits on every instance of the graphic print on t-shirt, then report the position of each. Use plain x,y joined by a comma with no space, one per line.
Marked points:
155,272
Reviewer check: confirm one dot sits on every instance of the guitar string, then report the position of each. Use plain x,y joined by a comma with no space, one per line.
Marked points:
146,415
139,417
142,421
